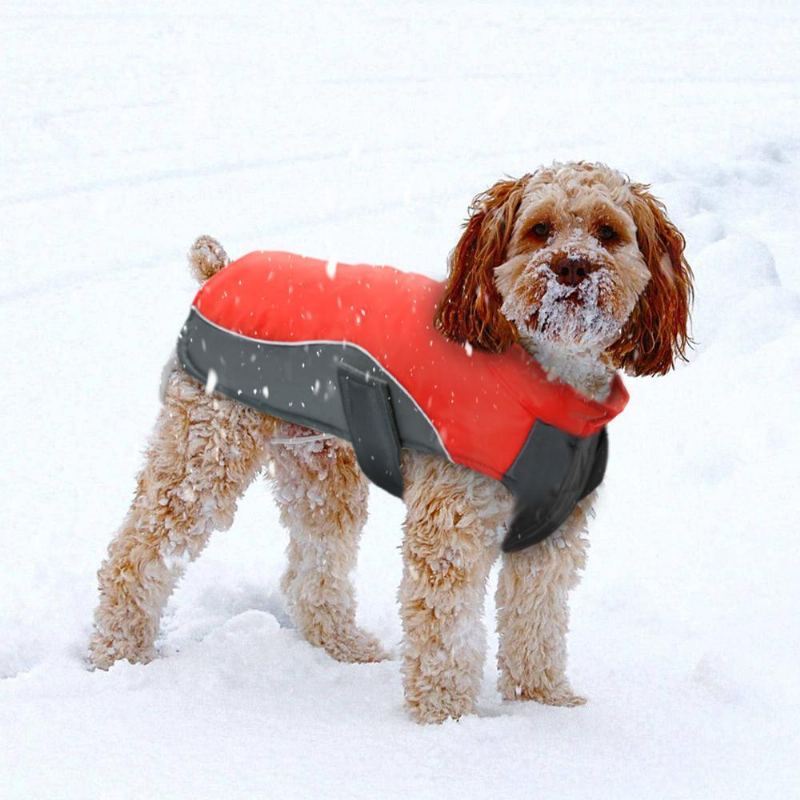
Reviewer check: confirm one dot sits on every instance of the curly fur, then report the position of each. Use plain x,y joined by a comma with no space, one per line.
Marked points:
536,264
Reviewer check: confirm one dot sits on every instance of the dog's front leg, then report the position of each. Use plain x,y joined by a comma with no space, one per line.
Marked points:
451,540
203,454
533,615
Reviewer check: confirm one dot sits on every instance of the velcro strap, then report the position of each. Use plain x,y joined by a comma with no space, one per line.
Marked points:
552,472
367,407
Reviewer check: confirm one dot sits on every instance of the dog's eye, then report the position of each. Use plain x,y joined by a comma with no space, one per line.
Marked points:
606,233
541,230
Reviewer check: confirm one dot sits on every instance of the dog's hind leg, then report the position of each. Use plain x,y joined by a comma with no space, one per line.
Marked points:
533,615
322,496
452,532
203,454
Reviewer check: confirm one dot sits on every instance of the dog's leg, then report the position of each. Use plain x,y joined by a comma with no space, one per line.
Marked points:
533,615
204,452
452,530
322,496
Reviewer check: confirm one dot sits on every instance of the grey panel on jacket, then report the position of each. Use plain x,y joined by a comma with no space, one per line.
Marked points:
296,382
566,469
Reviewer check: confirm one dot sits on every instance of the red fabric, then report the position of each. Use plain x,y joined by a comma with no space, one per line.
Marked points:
483,405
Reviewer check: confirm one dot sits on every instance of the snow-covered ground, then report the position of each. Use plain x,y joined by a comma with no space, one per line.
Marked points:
360,131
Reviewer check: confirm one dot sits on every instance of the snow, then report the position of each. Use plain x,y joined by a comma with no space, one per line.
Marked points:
364,130
587,323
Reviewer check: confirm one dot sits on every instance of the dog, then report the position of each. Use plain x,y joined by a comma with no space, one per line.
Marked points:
576,263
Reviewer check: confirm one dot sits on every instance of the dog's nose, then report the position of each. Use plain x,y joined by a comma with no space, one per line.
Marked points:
571,270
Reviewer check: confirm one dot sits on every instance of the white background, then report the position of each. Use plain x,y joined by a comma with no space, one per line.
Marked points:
360,131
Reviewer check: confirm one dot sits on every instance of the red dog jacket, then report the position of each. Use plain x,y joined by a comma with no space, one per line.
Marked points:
351,350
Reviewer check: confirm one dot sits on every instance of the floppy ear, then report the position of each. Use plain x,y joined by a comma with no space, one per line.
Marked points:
469,310
656,332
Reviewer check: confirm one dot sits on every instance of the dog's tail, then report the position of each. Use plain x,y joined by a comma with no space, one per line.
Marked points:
206,258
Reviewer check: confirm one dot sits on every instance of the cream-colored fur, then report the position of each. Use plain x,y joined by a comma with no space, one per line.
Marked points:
454,523
206,450
204,453
533,614
322,496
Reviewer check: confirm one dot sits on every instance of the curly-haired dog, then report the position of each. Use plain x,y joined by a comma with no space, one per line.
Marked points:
575,262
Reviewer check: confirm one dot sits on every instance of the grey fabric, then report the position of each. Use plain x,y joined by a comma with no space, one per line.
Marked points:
566,469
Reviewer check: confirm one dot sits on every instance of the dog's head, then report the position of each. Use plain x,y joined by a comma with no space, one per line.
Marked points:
574,255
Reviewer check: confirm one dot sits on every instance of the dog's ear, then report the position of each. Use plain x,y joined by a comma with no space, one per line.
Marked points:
657,330
469,310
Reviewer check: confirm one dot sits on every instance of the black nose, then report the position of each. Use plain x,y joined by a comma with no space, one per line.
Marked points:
571,270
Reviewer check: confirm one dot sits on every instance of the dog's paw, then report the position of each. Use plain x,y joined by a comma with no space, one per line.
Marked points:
105,651
559,695
566,698
437,706
354,647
